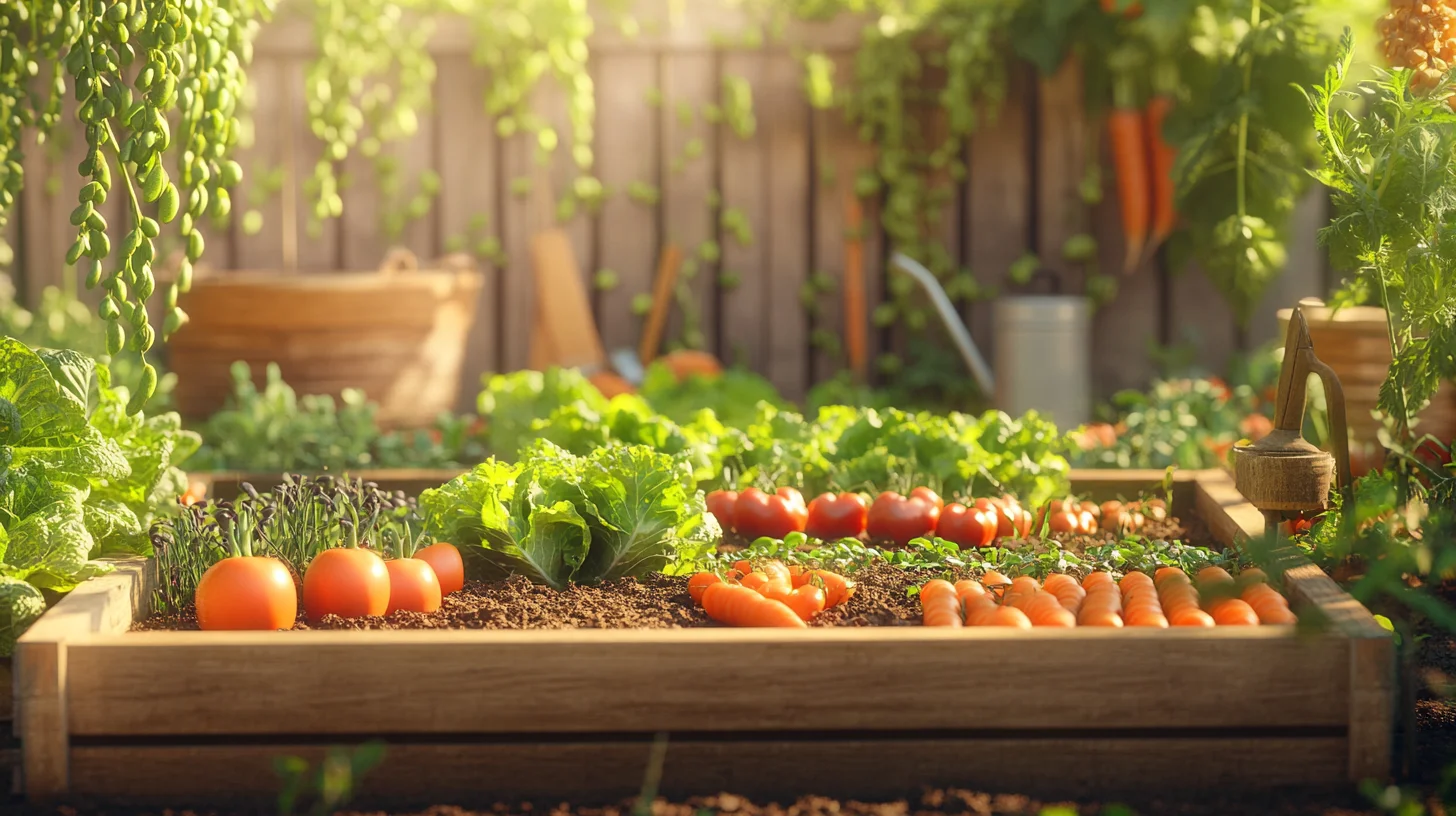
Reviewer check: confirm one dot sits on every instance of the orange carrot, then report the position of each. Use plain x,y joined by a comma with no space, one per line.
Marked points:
740,606
968,589
1234,612
940,604
1010,616
1043,609
981,611
1161,159
806,601
698,584
1130,162
837,588
754,581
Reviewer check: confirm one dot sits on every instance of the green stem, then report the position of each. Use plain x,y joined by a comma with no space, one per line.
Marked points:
1241,156
1394,349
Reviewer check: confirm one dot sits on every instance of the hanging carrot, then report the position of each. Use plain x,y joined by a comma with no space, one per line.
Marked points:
1125,134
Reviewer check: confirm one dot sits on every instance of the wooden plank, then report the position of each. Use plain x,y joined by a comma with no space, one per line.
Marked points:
1000,200
1224,509
367,231
1201,318
744,284
469,196
105,605
627,153
613,771
1061,162
1303,274
316,244
263,250
601,681
688,166
786,114
40,258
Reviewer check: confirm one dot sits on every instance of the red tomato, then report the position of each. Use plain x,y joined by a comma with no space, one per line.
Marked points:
720,504
832,517
991,510
413,586
895,518
758,514
448,565
929,495
1064,522
251,592
968,527
1014,521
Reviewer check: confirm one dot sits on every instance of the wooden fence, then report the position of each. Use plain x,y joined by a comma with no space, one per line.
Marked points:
790,179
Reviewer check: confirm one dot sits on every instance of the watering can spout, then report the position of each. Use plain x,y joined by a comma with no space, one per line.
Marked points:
952,319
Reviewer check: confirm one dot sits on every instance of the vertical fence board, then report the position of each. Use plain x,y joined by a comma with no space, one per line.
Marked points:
687,163
1201,318
467,204
999,202
315,243
39,257
1303,275
745,191
366,232
786,115
520,218
835,160
626,154
1062,160
552,104
265,249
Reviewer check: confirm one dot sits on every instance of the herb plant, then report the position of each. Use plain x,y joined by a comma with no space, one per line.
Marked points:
1392,170
274,429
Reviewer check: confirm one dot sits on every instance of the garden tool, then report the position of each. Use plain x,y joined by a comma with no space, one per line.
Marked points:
1283,472
952,319
632,364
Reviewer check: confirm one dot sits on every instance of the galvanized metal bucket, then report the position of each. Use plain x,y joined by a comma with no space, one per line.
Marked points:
1043,357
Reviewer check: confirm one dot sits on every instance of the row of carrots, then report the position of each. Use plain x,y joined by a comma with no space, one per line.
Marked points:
771,596
1168,598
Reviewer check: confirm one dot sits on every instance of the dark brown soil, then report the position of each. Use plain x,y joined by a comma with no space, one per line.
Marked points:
662,602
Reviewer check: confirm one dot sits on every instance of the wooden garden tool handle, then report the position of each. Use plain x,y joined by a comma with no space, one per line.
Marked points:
667,269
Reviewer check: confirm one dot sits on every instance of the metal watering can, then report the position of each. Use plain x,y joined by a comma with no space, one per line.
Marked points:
1043,348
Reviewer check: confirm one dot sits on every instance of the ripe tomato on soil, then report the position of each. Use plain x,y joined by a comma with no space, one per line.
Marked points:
720,504
775,515
247,592
896,518
968,527
842,516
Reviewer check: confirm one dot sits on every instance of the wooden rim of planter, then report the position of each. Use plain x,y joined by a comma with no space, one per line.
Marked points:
400,268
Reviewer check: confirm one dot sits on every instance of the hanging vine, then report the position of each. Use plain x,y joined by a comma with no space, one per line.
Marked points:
153,80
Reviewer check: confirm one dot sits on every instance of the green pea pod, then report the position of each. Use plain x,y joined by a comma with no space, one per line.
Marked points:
145,283
145,389
184,276
81,213
143,338
230,173
89,192
171,298
115,338
108,309
154,182
93,275
222,203
127,148
96,221
99,245
176,319
150,228
138,316
195,245
116,13
78,248
168,203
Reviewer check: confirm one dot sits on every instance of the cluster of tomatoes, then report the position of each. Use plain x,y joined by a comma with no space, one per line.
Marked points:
260,592
898,518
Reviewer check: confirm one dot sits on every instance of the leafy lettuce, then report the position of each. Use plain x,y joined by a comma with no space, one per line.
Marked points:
79,477
559,518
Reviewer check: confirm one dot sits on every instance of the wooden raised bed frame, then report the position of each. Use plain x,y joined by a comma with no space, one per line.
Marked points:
174,717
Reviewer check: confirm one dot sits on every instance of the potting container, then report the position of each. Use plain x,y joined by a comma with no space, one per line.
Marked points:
398,334
194,717
1044,357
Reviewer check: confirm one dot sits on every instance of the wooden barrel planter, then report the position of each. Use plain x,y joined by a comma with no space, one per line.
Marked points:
397,333
1355,342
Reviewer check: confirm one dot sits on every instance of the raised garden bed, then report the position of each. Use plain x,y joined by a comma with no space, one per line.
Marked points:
173,717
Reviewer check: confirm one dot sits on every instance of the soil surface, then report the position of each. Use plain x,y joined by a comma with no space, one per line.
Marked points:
662,602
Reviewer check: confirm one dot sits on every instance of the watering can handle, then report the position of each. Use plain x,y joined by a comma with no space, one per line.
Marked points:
1339,431
951,318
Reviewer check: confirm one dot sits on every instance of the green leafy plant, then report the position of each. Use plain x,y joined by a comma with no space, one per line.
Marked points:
274,429
332,785
80,477
559,518
1393,177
